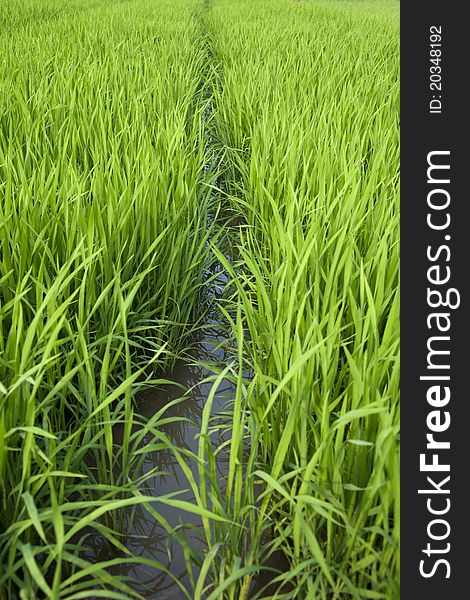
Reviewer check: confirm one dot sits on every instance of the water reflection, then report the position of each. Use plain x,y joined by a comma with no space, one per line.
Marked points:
180,404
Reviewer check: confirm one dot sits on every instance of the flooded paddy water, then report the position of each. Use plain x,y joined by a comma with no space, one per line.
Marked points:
146,537
179,400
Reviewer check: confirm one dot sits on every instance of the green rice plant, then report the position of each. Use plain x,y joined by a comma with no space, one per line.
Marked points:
124,128
103,235
307,112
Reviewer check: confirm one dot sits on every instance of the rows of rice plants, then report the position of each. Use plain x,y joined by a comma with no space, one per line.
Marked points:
103,234
307,112
114,115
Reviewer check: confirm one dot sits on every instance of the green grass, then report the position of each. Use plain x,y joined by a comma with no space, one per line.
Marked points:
105,143
103,226
307,113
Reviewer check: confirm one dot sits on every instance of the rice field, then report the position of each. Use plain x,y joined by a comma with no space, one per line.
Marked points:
170,168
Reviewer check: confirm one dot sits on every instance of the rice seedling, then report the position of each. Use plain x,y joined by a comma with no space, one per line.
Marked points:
124,128
307,112
102,259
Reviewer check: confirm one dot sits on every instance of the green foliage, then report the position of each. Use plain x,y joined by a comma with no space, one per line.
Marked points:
114,118
307,110
103,234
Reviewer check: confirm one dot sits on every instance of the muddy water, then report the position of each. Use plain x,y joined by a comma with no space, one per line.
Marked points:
145,537
187,393
151,540
182,403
